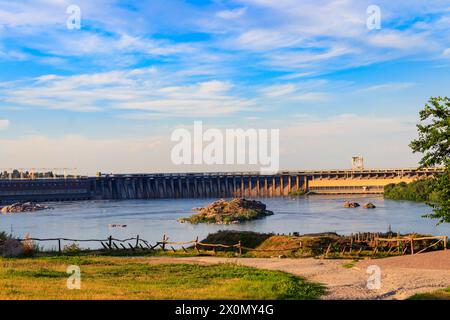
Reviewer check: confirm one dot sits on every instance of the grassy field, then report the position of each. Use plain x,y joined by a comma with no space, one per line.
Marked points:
436,295
136,278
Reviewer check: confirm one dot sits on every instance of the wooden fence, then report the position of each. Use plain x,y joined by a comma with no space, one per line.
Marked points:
355,241
399,243
138,243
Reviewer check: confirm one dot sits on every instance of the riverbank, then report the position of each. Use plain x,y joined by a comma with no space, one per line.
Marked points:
225,278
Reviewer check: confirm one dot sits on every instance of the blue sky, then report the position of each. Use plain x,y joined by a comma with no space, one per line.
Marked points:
107,97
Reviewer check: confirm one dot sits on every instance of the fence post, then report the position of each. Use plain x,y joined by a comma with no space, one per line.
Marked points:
239,246
445,243
328,250
195,245
164,243
137,241
110,242
59,246
412,246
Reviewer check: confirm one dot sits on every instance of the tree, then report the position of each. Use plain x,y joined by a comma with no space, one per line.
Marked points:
434,144
434,133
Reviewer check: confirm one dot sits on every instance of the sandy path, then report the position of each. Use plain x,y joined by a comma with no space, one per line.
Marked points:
401,277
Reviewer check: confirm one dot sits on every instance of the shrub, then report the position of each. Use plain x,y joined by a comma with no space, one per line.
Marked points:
71,248
420,190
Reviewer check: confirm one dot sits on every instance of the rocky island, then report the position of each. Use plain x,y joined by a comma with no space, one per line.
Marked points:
23,207
229,212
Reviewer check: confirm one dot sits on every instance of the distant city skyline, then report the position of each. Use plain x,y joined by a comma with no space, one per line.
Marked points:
106,97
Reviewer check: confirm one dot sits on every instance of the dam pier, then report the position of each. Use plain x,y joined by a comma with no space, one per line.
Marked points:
205,185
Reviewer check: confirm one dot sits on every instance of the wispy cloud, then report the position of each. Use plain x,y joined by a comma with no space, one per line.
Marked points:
4,124
231,14
392,86
133,90
248,61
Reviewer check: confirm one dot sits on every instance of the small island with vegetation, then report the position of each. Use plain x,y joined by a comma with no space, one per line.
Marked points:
23,207
229,212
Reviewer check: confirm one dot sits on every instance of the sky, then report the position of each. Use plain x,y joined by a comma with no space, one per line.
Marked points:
106,97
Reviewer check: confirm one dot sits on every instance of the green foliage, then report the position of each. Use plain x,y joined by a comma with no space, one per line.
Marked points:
441,197
71,248
420,190
435,192
248,239
227,212
3,236
434,144
434,133
297,192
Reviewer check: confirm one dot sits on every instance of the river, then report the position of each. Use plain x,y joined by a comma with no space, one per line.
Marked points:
151,219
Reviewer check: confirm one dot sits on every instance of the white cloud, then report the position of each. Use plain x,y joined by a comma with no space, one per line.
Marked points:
446,52
265,39
400,40
139,89
279,90
288,60
231,14
306,142
314,143
4,124
87,154
392,86
296,36
300,91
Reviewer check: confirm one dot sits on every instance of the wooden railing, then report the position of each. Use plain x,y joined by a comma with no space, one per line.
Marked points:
138,243
356,241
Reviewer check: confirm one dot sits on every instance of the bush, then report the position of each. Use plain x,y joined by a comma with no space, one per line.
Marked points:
71,248
29,246
3,236
297,192
420,190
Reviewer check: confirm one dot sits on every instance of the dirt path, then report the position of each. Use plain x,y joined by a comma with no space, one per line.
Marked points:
401,277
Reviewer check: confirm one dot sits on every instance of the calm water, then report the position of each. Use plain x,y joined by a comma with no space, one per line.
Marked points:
153,218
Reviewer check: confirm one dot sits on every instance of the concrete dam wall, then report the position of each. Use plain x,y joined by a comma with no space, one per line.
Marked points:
195,186
205,185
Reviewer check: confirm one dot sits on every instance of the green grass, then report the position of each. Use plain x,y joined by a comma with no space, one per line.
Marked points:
141,278
349,265
443,294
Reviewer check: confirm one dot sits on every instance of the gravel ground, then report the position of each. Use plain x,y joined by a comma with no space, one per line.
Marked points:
401,277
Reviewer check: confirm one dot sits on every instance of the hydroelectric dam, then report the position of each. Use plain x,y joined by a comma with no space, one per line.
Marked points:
205,185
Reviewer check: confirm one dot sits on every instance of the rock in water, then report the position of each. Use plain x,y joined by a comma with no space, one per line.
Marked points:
369,205
23,207
351,204
229,212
